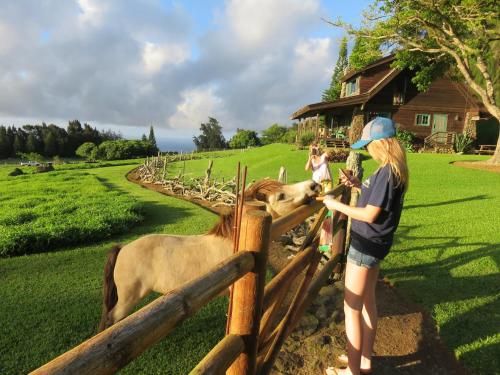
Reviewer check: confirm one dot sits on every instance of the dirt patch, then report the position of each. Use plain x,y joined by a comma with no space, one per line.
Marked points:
485,166
407,342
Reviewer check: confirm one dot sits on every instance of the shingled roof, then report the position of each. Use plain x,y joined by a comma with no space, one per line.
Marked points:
317,108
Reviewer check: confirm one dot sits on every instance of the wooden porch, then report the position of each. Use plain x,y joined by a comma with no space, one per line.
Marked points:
440,139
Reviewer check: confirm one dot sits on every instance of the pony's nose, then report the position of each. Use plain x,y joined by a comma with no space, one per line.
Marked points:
315,187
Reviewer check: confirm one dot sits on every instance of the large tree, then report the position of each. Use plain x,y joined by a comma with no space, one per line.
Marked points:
211,137
244,138
435,37
274,134
333,92
364,52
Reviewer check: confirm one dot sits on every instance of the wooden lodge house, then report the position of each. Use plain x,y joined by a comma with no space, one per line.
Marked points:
434,116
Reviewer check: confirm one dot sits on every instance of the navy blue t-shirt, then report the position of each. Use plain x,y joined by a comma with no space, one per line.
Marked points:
378,190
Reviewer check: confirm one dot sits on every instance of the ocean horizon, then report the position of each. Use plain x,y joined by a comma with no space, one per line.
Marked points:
175,144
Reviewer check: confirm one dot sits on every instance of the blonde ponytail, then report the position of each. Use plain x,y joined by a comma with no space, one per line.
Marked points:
389,151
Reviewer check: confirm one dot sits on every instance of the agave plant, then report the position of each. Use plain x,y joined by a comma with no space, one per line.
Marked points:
463,143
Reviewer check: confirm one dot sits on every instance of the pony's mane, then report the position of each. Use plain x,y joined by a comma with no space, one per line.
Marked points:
260,190
224,227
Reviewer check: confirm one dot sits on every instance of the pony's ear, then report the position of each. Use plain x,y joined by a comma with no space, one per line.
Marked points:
261,190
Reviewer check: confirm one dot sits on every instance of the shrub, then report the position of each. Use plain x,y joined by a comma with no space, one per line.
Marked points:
87,150
463,143
125,149
338,155
290,136
406,138
306,139
31,156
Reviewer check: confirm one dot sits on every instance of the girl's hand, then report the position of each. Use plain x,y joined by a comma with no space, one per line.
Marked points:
330,202
351,181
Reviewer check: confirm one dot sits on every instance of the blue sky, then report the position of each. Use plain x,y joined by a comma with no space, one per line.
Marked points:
126,65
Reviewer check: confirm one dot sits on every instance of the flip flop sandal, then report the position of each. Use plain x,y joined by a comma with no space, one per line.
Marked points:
343,360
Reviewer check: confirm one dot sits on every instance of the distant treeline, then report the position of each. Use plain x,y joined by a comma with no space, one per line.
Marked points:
116,150
50,140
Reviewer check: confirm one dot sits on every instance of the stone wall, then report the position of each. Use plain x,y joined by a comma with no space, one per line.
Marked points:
470,125
357,124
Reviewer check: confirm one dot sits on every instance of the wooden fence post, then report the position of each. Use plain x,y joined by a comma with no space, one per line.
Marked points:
248,292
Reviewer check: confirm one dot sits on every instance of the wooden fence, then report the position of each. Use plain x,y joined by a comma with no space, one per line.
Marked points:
255,335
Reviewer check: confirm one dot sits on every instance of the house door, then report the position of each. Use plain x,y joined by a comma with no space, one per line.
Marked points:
439,125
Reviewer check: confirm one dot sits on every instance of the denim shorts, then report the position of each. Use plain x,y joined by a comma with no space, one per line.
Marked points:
362,260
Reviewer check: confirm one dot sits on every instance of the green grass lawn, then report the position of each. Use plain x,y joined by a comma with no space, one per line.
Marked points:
51,302
446,258
44,211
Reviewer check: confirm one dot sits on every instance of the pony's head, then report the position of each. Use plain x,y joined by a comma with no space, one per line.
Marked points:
281,199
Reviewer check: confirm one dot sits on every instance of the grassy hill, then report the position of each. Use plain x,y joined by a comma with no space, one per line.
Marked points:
445,257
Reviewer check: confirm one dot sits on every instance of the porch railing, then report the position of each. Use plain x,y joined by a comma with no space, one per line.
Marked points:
440,139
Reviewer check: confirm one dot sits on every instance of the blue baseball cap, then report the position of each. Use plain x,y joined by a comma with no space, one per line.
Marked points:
378,128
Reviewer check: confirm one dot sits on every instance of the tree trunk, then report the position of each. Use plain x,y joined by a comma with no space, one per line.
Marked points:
496,156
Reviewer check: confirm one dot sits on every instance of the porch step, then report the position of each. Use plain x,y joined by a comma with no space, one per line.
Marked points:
336,142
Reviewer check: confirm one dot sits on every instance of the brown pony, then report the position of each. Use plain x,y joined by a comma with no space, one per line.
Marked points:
162,262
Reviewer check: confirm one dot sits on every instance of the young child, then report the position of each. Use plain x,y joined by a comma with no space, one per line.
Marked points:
374,221
318,164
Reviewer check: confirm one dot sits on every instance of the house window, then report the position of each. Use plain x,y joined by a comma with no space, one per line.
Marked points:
422,119
399,92
352,87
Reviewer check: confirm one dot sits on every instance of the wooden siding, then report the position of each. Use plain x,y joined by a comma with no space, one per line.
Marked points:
372,76
442,93
443,97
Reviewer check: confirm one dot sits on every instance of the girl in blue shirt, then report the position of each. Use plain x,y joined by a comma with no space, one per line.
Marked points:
374,221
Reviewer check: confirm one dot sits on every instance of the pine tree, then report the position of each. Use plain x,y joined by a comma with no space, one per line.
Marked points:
333,92
152,138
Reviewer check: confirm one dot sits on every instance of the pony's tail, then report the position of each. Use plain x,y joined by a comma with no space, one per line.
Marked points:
110,296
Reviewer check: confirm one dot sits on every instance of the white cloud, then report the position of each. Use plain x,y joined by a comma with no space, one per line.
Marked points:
197,105
92,11
257,22
313,59
133,65
156,56
7,38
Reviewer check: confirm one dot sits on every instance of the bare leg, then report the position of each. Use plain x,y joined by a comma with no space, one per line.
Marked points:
370,319
355,284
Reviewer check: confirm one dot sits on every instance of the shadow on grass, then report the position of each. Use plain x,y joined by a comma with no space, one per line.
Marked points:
157,215
436,283
474,198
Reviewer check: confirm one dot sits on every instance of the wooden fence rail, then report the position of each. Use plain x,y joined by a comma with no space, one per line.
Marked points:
249,347
115,347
